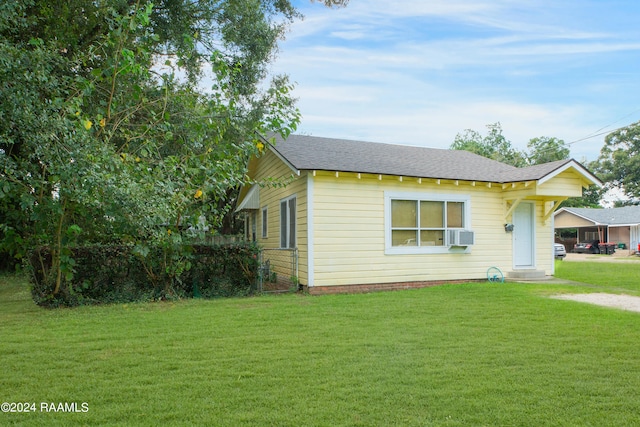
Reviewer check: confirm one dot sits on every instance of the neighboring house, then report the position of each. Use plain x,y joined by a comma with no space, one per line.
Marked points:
615,225
365,215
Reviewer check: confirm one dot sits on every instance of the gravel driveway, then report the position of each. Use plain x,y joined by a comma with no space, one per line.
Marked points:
624,302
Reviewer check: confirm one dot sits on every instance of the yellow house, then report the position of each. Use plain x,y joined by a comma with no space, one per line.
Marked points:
366,216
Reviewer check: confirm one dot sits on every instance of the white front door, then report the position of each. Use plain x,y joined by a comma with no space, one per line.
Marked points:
523,236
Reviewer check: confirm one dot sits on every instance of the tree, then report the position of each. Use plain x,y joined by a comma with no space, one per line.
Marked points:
541,150
493,146
100,142
545,149
619,161
332,3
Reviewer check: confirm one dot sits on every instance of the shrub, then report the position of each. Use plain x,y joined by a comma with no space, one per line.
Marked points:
121,273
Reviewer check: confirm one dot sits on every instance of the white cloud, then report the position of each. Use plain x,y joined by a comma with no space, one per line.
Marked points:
419,72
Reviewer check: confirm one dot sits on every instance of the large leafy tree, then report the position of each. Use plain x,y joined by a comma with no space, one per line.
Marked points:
106,134
494,145
545,149
619,161
541,150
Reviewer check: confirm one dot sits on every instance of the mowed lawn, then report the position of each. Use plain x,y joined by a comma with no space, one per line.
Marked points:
618,277
471,354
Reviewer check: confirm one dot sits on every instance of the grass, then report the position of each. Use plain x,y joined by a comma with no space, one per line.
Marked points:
474,354
613,277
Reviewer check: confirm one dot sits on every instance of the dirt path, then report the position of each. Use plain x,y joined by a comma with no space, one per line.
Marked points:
602,258
624,302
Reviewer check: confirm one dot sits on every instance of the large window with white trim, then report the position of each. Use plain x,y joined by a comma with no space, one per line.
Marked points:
288,223
422,223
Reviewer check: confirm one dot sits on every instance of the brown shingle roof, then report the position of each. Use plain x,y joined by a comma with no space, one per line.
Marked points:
315,153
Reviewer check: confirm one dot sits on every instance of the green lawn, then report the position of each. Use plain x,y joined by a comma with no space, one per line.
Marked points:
474,354
614,277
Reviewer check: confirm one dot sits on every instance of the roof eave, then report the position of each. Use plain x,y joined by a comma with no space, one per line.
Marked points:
443,178
586,175
568,210
250,199
275,151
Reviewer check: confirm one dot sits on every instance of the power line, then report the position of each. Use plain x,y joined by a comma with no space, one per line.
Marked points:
593,136
622,118
599,133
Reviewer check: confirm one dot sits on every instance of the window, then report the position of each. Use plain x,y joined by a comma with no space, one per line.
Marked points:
247,233
250,220
421,223
288,223
254,223
265,223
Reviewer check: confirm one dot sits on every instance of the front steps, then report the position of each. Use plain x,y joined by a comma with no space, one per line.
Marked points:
526,275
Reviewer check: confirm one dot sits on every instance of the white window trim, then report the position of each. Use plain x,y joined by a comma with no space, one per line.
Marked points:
264,214
436,197
288,222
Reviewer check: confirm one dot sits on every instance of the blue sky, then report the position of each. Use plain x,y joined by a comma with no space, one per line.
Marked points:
418,72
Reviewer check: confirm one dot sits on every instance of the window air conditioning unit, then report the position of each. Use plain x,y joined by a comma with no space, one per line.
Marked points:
461,238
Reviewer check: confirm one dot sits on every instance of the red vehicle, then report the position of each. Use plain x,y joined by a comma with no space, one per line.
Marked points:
587,248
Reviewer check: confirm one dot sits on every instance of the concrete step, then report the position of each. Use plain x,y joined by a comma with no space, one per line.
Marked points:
526,275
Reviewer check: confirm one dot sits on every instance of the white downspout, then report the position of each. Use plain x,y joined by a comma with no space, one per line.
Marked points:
310,253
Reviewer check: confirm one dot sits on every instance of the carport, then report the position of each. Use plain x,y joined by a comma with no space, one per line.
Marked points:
615,225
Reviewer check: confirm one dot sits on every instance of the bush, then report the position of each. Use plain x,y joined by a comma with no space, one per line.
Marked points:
120,273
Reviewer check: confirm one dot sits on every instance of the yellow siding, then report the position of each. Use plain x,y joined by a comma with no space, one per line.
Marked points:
270,168
567,184
349,235
544,240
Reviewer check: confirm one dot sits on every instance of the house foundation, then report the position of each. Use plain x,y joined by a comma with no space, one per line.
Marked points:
378,287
